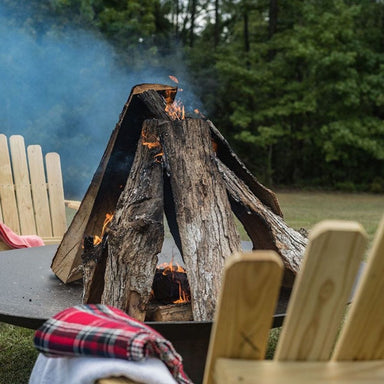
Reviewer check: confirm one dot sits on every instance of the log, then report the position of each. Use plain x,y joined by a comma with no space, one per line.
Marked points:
105,188
136,232
266,229
93,263
205,222
170,312
233,162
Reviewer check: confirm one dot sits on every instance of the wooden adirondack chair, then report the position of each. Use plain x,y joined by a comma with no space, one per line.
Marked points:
309,349
31,191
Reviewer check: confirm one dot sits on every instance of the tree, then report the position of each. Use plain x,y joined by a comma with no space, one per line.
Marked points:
312,101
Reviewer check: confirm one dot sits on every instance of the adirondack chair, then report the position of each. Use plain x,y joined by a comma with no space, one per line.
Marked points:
309,349
30,202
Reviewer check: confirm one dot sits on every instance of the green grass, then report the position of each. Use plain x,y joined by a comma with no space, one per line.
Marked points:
305,209
301,209
17,354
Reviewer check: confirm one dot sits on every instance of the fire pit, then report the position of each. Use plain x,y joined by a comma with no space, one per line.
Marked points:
159,163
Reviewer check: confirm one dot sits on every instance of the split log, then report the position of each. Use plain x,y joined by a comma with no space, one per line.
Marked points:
94,262
109,179
205,222
136,232
266,229
233,162
170,312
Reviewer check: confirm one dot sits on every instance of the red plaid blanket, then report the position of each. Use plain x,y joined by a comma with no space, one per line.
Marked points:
100,330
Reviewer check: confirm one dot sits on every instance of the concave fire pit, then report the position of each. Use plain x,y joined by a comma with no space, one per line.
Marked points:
155,165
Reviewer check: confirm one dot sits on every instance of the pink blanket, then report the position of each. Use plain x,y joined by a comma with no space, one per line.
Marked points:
16,241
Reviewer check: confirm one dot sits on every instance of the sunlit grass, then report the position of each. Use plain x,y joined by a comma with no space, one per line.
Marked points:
305,209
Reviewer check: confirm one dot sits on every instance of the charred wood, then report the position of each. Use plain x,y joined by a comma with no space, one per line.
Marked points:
233,162
205,222
266,229
93,261
136,232
170,286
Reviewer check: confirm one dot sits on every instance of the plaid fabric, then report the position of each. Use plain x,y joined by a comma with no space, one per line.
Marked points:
100,330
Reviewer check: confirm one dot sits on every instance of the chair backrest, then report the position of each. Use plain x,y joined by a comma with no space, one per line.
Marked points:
315,314
31,190
309,349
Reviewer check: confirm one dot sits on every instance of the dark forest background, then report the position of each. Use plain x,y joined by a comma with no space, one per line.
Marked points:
297,87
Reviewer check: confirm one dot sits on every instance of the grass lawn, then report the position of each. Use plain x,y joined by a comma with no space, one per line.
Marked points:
301,209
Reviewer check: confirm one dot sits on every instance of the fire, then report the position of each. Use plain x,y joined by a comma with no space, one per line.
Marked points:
151,143
108,218
175,109
171,269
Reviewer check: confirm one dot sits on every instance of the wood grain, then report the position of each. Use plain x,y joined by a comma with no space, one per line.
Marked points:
116,380
321,291
228,371
136,232
7,192
245,308
39,191
362,335
22,185
203,213
56,193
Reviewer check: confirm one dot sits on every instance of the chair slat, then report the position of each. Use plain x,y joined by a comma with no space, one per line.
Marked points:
245,308
39,191
22,185
321,291
56,193
362,335
229,371
7,191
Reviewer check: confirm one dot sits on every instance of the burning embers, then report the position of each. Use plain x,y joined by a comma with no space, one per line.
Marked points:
174,108
170,284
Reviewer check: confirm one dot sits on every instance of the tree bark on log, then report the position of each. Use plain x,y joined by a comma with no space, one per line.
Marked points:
205,222
233,162
266,229
136,232
170,312
93,263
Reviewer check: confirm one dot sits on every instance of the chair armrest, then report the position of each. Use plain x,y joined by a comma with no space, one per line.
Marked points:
116,380
73,204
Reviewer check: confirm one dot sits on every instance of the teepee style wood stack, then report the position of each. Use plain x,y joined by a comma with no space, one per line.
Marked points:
197,180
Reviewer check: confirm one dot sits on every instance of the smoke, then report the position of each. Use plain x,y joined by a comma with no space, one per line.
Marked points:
64,90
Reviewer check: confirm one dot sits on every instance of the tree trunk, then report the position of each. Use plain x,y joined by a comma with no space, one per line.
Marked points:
217,24
273,13
192,27
136,233
205,222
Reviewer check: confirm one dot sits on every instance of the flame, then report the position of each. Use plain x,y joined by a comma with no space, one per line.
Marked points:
170,268
174,109
108,218
151,143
